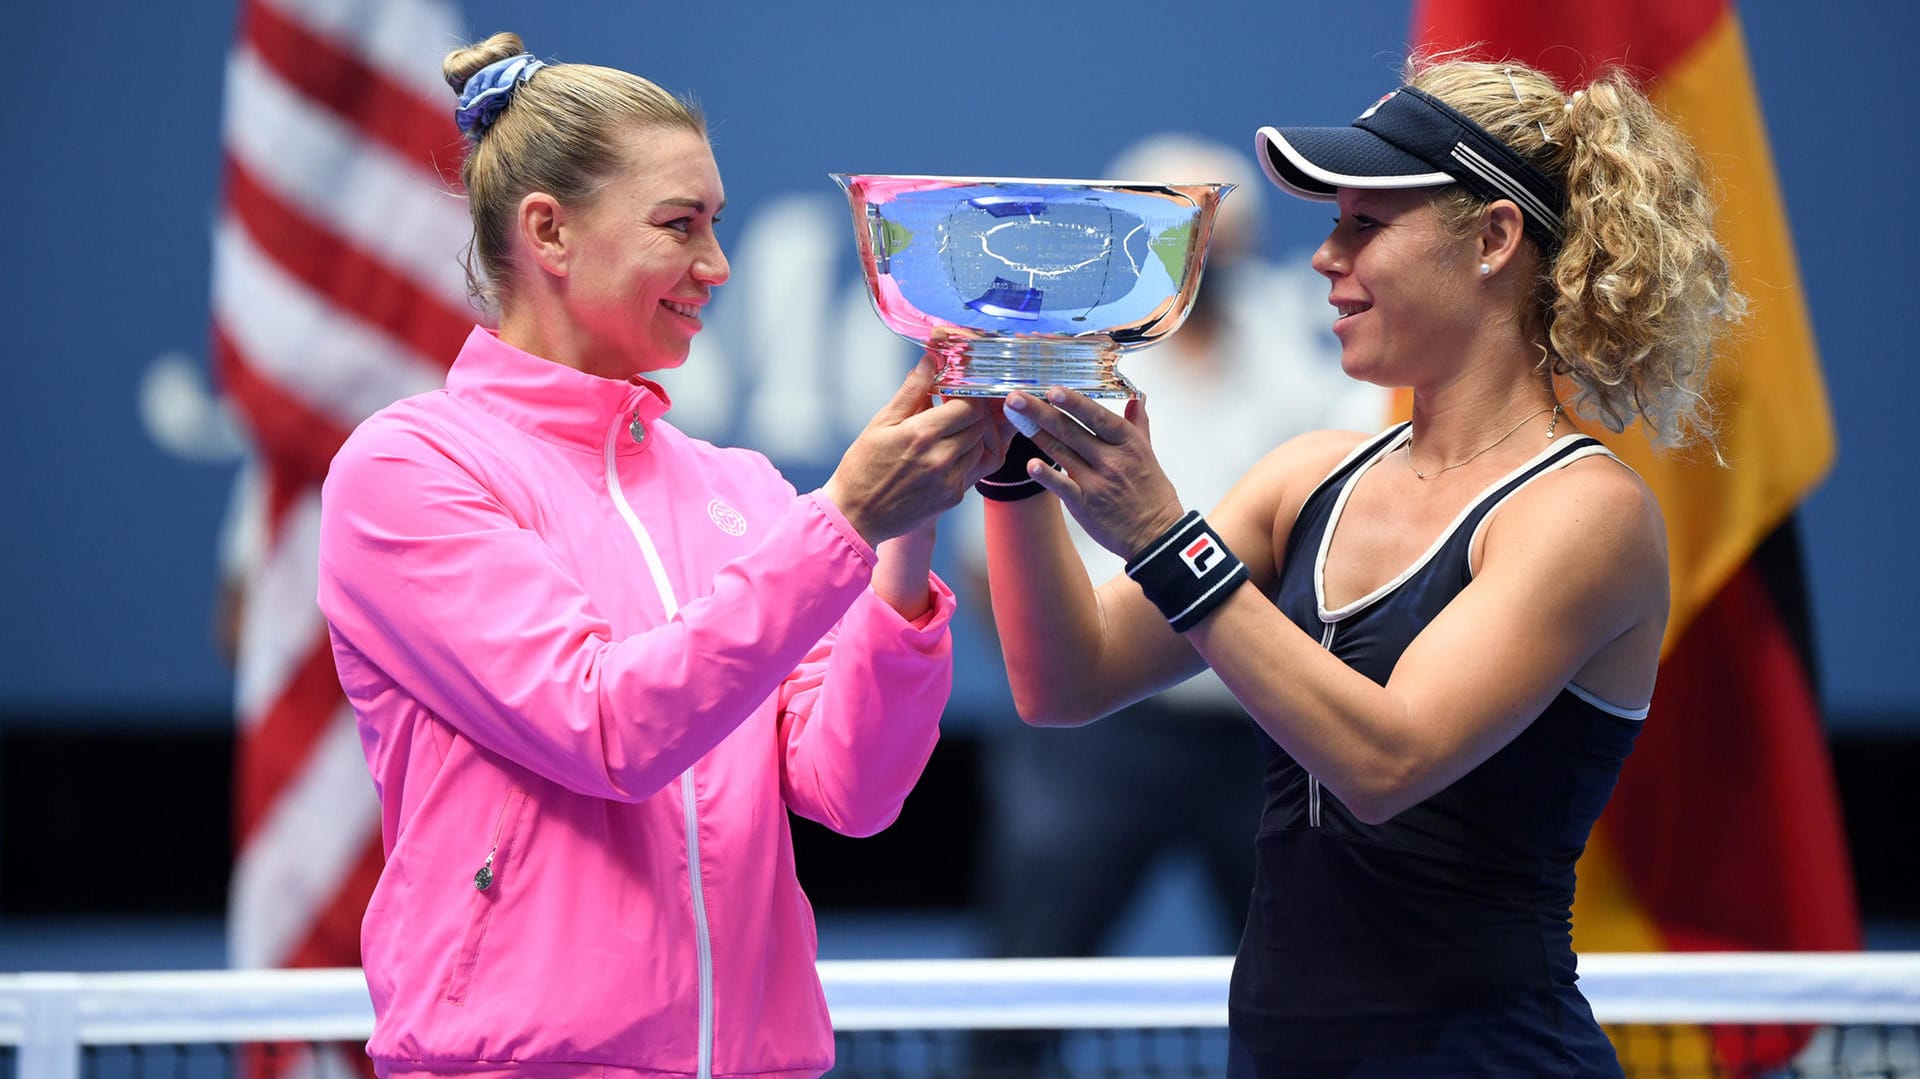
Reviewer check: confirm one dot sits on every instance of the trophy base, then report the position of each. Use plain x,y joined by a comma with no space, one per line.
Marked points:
979,367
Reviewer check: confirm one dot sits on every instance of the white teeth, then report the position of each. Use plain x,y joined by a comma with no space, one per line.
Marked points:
686,309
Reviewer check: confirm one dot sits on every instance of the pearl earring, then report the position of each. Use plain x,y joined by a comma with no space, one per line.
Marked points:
1485,269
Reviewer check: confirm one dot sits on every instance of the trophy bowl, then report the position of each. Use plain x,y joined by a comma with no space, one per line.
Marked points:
1024,284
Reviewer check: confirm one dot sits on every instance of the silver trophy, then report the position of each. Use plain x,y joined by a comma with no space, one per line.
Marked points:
1024,284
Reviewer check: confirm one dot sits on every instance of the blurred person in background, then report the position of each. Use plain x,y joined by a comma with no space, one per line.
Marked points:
1076,821
596,662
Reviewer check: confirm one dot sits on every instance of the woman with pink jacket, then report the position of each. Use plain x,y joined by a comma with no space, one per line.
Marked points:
596,661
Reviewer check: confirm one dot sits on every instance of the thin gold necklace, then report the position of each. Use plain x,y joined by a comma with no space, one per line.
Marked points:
1551,425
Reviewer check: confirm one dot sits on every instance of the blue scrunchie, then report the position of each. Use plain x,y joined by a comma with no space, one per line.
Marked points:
489,90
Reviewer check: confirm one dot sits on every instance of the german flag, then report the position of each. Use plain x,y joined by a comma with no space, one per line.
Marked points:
1724,833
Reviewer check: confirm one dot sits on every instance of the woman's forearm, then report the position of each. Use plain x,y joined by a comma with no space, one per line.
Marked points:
902,576
1046,612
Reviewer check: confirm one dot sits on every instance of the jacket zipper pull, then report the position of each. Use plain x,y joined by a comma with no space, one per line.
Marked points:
637,429
484,879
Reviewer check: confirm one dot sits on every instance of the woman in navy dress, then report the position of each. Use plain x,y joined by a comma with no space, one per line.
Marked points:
1448,632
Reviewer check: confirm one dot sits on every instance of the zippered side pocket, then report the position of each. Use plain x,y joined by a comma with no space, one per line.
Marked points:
490,877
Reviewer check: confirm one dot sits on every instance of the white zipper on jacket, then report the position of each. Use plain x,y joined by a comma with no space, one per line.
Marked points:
703,942
1313,782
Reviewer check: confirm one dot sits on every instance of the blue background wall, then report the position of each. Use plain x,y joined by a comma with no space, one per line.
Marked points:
110,117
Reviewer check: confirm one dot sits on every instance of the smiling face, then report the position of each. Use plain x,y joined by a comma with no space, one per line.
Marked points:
642,257
1406,291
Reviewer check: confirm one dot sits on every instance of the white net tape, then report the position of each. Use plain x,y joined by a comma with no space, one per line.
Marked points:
47,1018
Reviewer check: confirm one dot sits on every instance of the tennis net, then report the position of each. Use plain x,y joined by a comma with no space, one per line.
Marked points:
1673,1015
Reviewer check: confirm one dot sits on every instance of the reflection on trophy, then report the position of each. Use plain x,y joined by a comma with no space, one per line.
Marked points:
1024,284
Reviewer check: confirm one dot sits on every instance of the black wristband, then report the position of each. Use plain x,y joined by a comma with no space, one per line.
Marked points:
1010,482
1187,571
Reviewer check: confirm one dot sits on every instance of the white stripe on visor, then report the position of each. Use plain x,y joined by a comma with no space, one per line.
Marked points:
1269,139
1472,160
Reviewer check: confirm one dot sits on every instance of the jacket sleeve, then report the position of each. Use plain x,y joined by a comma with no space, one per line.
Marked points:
474,618
860,716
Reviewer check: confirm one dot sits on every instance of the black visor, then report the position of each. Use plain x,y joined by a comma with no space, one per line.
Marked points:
1410,139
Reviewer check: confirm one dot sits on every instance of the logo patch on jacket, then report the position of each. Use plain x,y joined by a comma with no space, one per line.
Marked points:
726,518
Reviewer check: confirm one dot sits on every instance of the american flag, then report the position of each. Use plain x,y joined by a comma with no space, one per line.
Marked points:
337,288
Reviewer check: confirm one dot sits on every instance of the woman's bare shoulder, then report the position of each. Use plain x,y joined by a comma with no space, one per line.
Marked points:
1597,506
1600,488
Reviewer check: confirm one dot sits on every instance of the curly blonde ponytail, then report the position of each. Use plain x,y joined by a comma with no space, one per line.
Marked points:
1638,293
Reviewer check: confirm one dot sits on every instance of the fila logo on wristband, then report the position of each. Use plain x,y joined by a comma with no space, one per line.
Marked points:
1187,572
1201,555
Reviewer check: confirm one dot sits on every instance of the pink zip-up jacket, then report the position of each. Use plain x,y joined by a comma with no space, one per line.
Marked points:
595,662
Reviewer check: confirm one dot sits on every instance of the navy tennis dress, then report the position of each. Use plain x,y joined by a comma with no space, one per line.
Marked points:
1438,943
